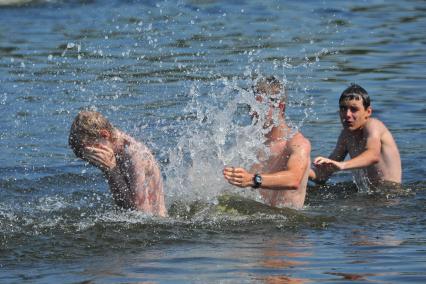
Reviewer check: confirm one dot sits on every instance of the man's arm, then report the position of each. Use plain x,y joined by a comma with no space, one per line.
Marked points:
371,153
120,188
289,179
321,171
104,158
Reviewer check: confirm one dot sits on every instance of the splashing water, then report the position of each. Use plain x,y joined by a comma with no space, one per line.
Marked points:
221,133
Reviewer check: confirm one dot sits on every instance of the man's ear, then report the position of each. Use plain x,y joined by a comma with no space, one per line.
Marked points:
282,106
104,133
369,111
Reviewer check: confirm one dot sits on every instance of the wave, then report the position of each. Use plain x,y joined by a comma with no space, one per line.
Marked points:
66,203
55,227
86,222
82,210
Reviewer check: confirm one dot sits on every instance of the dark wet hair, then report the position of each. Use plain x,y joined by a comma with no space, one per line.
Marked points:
356,92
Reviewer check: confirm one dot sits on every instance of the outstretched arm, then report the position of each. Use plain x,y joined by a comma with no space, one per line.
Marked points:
373,146
368,157
325,167
289,179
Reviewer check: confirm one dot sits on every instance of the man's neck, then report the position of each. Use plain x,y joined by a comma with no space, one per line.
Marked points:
358,133
278,132
119,141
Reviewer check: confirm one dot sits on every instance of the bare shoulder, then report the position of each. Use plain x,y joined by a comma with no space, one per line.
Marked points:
379,129
135,146
374,125
300,142
139,152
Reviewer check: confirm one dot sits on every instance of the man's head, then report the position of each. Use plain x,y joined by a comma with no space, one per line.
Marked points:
354,107
271,89
88,128
355,92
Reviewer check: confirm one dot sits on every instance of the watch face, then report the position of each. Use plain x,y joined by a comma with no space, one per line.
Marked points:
258,179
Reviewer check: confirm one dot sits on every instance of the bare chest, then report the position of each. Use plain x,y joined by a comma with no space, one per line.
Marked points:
355,145
277,157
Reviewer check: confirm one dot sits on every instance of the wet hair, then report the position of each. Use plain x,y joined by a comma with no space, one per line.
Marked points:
85,129
271,87
355,92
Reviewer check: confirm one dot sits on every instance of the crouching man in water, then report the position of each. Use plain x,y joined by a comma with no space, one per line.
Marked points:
282,178
132,172
368,142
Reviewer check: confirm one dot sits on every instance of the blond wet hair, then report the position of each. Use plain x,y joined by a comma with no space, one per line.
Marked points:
86,129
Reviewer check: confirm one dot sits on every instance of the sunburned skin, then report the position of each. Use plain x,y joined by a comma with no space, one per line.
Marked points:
296,148
144,177
285,171
133,174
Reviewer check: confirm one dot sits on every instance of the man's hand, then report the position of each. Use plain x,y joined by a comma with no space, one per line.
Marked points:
100,156
238,176
329,164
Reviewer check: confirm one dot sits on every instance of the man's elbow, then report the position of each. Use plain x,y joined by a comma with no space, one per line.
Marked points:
375,158
318,178
295,183
294,186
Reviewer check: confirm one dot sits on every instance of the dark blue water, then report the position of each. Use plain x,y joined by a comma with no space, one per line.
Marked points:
174,75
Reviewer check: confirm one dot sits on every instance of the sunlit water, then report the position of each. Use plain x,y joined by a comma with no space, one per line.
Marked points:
177,75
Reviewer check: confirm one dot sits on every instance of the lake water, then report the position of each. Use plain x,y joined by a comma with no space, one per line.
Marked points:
175,74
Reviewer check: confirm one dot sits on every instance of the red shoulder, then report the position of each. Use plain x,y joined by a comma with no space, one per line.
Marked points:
301,142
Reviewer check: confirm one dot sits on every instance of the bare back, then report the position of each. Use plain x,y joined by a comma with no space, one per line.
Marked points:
282,152
144,177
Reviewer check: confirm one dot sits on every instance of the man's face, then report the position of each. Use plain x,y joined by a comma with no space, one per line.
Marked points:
353,115
97,143
272,108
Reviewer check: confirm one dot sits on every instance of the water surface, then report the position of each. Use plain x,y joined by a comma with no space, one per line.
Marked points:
175,75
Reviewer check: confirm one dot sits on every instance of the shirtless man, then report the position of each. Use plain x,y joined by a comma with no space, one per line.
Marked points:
367,140
132,172
283,176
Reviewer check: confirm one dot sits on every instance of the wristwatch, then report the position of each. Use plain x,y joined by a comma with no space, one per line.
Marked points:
257,181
